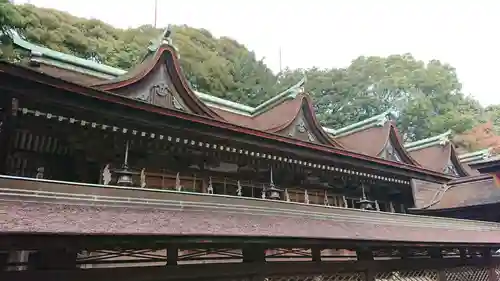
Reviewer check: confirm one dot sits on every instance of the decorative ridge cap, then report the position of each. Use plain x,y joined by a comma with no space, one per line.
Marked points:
242,109
163,39
66,58
377,120
469,179
154,46
441,139
482,154
289,93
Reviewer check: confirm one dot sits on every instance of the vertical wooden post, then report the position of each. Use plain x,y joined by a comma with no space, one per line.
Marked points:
316,254
253,254
492,274
367,255
7,130
52,259
172,255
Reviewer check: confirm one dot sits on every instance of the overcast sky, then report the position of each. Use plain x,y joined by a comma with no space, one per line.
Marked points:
330,33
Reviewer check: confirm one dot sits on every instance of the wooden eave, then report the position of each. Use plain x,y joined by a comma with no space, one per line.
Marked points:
128,109
395,138
278,219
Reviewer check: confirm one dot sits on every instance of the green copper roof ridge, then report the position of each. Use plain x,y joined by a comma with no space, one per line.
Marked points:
379,119
240,108
427,142
475,155
289,93
38,50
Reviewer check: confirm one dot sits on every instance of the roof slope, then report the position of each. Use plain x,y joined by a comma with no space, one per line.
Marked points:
83,211
438,154
293,117
465,192
476,156
376,136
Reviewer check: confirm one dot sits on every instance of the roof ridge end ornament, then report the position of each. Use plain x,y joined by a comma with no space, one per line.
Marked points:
164,39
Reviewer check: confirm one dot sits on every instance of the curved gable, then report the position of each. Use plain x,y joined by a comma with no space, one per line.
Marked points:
159,80
304,125
440,157
394,149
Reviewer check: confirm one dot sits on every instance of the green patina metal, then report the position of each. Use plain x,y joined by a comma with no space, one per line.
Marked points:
441,139
475,156
69,62
61,58
378,120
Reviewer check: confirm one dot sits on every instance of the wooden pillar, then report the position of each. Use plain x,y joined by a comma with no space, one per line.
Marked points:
172,255
492,275
316,254
367,255
7,131
4,258
436,254
52,259
253,254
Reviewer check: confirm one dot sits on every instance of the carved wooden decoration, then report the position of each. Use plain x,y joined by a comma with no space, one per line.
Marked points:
106,175
156,88
450,169
390,153
391,207
287,196
239,190
178,185
210,188
143,178
40,173
300,129
325,200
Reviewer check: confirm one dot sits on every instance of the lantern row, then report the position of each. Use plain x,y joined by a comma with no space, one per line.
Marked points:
85,123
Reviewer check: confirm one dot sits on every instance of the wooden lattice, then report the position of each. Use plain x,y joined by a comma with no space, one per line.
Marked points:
410,275
497,272
467,273
355,276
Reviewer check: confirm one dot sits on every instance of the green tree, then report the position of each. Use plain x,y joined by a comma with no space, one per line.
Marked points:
219,66
427,97
10,20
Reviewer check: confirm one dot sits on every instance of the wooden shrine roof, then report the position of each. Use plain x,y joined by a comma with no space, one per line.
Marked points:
465,192
373,139
438,153
42,206
193,113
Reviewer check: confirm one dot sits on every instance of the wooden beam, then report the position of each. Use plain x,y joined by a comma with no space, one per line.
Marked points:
234,271
7,129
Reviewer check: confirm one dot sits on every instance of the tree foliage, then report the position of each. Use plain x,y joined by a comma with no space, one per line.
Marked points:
427,96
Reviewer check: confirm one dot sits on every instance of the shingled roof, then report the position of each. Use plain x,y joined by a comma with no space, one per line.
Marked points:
376,136
465,192
289,113
438,154
96,209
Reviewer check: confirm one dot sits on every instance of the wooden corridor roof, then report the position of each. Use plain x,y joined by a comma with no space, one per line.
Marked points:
43,206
